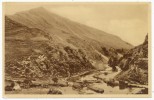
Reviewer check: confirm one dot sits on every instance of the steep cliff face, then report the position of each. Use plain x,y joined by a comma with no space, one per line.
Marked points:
135,64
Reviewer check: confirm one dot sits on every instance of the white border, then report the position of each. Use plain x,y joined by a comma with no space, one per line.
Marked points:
73,1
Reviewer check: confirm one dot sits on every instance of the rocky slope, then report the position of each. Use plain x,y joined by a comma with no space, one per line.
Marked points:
30,53
135,64
39,43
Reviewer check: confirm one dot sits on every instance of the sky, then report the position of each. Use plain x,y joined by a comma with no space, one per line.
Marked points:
129,21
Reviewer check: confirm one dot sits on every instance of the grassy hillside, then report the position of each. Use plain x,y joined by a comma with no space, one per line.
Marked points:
64,29
39,43
30,53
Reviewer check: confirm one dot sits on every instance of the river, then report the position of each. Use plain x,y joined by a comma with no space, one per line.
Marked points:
98,83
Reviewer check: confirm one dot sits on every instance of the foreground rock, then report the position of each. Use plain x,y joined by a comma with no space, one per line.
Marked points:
96,89
54,91
143,91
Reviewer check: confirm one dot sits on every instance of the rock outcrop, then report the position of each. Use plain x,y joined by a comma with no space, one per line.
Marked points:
135,64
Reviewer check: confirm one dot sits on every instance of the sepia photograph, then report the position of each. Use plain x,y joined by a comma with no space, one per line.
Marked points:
77,49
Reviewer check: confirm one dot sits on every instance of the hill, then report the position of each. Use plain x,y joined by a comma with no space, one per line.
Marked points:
39,43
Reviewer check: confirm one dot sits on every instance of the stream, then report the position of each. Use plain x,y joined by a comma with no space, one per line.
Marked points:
98,83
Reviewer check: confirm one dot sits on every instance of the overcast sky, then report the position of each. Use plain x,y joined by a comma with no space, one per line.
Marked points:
129,21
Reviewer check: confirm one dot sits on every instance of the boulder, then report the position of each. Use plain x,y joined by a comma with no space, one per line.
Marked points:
16,87
8,88
54,91
62,83
123,84
143,91
97,77
96,89
77,85
70,83
105,73
112,83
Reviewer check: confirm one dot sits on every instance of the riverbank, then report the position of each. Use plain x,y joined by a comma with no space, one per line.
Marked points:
92,82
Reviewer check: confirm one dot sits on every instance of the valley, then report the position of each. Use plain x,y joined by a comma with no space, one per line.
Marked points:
49,54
